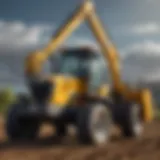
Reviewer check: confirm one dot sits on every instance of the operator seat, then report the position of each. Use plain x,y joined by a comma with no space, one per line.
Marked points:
41,91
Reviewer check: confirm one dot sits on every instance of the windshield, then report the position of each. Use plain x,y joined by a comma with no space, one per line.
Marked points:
74,66
81,65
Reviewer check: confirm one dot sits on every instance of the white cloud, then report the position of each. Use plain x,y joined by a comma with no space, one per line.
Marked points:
149,28
142,61
16,36
147,48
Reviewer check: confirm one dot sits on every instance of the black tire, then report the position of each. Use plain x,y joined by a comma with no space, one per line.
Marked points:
132,123
61,130
18,129
85,127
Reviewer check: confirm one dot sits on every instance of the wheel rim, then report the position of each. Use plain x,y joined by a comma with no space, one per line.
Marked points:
100,124
136,120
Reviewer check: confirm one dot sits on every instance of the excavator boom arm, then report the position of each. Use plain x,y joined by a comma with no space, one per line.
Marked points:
67,28
108,50
85,12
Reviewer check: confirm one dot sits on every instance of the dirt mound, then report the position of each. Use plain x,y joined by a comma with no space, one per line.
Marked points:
147,148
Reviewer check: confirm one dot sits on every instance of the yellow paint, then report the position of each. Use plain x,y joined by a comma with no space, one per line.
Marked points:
34,62
64,88
147,104
104,90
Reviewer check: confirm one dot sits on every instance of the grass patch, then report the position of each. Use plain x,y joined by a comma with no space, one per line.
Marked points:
157,114
6,98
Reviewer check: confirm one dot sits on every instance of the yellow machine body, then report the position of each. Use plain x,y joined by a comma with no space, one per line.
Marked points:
65,87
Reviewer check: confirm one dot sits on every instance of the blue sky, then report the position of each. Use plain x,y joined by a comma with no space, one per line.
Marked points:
116,15
134,26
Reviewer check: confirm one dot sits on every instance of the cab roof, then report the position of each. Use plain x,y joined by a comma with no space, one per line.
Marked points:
80,51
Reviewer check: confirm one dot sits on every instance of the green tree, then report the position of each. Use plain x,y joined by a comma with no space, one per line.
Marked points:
7,97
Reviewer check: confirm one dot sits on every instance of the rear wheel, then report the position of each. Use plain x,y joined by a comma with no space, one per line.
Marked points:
132,124
20,129
94,124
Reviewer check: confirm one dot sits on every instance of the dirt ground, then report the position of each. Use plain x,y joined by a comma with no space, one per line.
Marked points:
147,148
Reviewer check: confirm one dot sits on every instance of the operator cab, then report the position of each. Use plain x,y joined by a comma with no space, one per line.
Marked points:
84,63
76,62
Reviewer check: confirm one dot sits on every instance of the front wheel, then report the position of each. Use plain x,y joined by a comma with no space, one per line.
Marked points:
94,124
20,129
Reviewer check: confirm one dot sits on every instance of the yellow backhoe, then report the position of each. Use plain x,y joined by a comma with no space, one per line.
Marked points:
77,93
